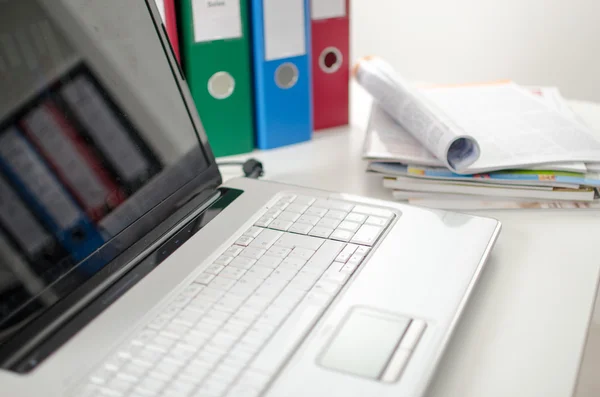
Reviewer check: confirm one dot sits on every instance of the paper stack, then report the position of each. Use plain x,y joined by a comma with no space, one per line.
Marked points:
478,146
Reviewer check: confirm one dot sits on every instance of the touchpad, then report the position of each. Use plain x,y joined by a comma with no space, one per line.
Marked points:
367,344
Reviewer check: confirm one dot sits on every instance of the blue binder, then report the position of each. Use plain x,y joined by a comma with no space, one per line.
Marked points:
41,190
282,72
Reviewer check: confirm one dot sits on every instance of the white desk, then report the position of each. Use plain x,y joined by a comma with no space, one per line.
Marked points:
523,333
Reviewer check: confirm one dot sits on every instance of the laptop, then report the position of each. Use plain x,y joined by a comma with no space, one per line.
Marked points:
587,383
129,269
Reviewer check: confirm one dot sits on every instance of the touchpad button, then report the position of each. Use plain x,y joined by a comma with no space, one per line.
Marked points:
365,343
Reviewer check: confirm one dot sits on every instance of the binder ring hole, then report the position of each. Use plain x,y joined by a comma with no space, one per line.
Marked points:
221,85
331,60
286,75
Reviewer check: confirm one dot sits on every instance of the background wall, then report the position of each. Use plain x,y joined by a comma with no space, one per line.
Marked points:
548,42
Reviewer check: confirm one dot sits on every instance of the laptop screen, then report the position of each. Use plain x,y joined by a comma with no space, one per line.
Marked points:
94,134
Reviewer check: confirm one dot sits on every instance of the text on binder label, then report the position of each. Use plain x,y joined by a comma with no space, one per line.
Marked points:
326,9
285,30
216,20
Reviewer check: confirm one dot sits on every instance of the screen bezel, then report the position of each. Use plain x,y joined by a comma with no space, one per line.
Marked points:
174,209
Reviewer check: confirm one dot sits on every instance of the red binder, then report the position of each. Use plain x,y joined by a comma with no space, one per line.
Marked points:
330,62
169,17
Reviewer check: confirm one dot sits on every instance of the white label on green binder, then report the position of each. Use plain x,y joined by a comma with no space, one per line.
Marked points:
216,20
285,30
160,4
326,9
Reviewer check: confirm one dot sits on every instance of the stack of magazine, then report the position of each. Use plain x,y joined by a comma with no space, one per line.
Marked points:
482,146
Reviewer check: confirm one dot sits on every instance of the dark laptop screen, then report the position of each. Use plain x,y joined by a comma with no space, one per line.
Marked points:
94,133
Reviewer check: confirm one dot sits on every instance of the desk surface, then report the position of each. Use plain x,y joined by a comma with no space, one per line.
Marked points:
524,329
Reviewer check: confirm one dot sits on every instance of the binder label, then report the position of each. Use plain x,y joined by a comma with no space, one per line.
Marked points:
36,178
20,223
160,4
216,20
326,9
285,30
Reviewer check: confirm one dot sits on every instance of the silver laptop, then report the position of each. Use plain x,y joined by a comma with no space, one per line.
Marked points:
128,269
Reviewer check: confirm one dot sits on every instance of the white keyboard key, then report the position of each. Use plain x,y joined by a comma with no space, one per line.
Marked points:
250,281
189,317
234,250
264,221
347,253
283,274
297,208
288,198
293,263
373,211
120,385
302,253
279,252
294,240
253,253
309,219
234,273
192,290
158,323
304,200
329,223
300,228
326,287
336,214
266,239
281,205
283,343
260,272
348,268
204,278
214,269
223,340
144,336
146,355
341,235
222,283
323,232
280,225
256,303
349,225
367,235
318,298
150,386
103,376
272,213
288,216
333,204
316,211
269,261
356,260
362,250
333,275
242,263
356,217
223,260
213,387
180,388
242,291
253,232
244,241
208,294
376,221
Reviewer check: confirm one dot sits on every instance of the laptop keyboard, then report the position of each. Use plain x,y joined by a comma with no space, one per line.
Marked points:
219,336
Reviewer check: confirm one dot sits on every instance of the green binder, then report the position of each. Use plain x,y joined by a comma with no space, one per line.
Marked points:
215,47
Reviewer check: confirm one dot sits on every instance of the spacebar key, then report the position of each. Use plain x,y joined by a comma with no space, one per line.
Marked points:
286,339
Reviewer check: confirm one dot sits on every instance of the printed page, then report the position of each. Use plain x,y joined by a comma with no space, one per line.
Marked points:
513,127
387,140
427,124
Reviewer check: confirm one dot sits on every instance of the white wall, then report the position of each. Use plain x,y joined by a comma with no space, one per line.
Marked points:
549,42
